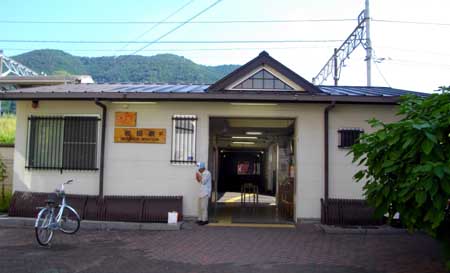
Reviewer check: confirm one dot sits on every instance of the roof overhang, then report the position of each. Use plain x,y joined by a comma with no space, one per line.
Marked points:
276,97
30,81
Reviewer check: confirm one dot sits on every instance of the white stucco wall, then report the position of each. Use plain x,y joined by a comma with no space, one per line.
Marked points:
48,180
145,169
342,184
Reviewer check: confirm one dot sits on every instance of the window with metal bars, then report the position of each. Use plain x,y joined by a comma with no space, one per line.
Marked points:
349,136
184,137
62,142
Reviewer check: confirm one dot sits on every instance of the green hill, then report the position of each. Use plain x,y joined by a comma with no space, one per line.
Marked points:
165,68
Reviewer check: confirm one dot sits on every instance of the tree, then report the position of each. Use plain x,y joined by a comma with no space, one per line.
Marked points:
3,176
406,164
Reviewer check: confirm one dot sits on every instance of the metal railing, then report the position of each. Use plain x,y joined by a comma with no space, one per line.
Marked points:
107,208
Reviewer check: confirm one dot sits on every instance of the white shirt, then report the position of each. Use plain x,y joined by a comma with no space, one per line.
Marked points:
205,184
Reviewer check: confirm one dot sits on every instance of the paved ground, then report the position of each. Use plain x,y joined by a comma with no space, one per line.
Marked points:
214,249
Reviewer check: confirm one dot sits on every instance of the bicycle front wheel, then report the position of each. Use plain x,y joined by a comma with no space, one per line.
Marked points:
70,221
42,228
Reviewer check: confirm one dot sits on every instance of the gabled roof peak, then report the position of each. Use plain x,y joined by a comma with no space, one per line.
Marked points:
264,53
264,59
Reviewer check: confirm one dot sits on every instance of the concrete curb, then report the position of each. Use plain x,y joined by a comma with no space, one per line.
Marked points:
6,221
361,230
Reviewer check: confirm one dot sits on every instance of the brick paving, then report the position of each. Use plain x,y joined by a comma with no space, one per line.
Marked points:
214,249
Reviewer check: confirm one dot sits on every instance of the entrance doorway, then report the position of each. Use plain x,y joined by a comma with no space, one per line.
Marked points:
252,161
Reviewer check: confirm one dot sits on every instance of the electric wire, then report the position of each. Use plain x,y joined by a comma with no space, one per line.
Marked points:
177,27
181,49
332,20
156,41
159,23
177,22
411,22
415,50
378,68
421,63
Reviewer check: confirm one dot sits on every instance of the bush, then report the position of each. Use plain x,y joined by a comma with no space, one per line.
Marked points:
5,195
7,129
4,201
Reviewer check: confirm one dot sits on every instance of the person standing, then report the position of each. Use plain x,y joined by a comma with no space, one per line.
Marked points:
203,177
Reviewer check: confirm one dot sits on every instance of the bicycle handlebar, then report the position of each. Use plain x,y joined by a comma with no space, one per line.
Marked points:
68,182
61,188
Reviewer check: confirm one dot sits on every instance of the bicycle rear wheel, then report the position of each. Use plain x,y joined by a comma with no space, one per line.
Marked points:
43,230
70,221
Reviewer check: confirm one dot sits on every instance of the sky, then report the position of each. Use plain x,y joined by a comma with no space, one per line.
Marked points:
412,56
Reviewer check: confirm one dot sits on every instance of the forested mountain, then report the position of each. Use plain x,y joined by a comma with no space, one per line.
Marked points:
164,68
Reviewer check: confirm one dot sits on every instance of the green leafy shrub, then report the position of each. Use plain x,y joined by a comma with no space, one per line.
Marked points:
5,197
406,165
7,129
4,201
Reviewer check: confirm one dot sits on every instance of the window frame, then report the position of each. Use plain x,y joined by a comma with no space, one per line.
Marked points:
240,85
347,137
188,144
61,164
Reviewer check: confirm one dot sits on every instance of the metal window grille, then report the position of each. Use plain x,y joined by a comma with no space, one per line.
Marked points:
184,137
349,136
62,142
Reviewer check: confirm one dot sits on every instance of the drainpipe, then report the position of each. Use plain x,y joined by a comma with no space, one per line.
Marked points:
326,150
102,147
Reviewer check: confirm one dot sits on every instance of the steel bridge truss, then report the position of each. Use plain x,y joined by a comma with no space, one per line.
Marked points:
11,67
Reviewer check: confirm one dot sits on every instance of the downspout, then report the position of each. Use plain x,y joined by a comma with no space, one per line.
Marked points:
326,150
102,147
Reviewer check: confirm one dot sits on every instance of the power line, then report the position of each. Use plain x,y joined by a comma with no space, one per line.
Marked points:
411,22
161,22
415,50
170,42
409,62
331,20
180,49
379,70
177,27
381,74
177,22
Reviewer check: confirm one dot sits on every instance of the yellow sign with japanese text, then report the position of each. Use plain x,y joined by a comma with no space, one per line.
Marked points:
125,119
140,135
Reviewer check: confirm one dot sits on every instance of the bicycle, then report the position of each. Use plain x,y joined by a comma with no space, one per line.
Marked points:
50,218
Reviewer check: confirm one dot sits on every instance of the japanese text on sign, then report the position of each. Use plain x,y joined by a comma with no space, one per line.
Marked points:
140,135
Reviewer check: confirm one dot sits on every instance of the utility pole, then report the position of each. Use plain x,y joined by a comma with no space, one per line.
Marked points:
368,44
335,70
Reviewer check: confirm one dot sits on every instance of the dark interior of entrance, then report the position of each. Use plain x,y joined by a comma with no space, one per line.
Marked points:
252,161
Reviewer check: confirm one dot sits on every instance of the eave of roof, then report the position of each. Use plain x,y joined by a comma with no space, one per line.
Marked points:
160,92
41,80
216,96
